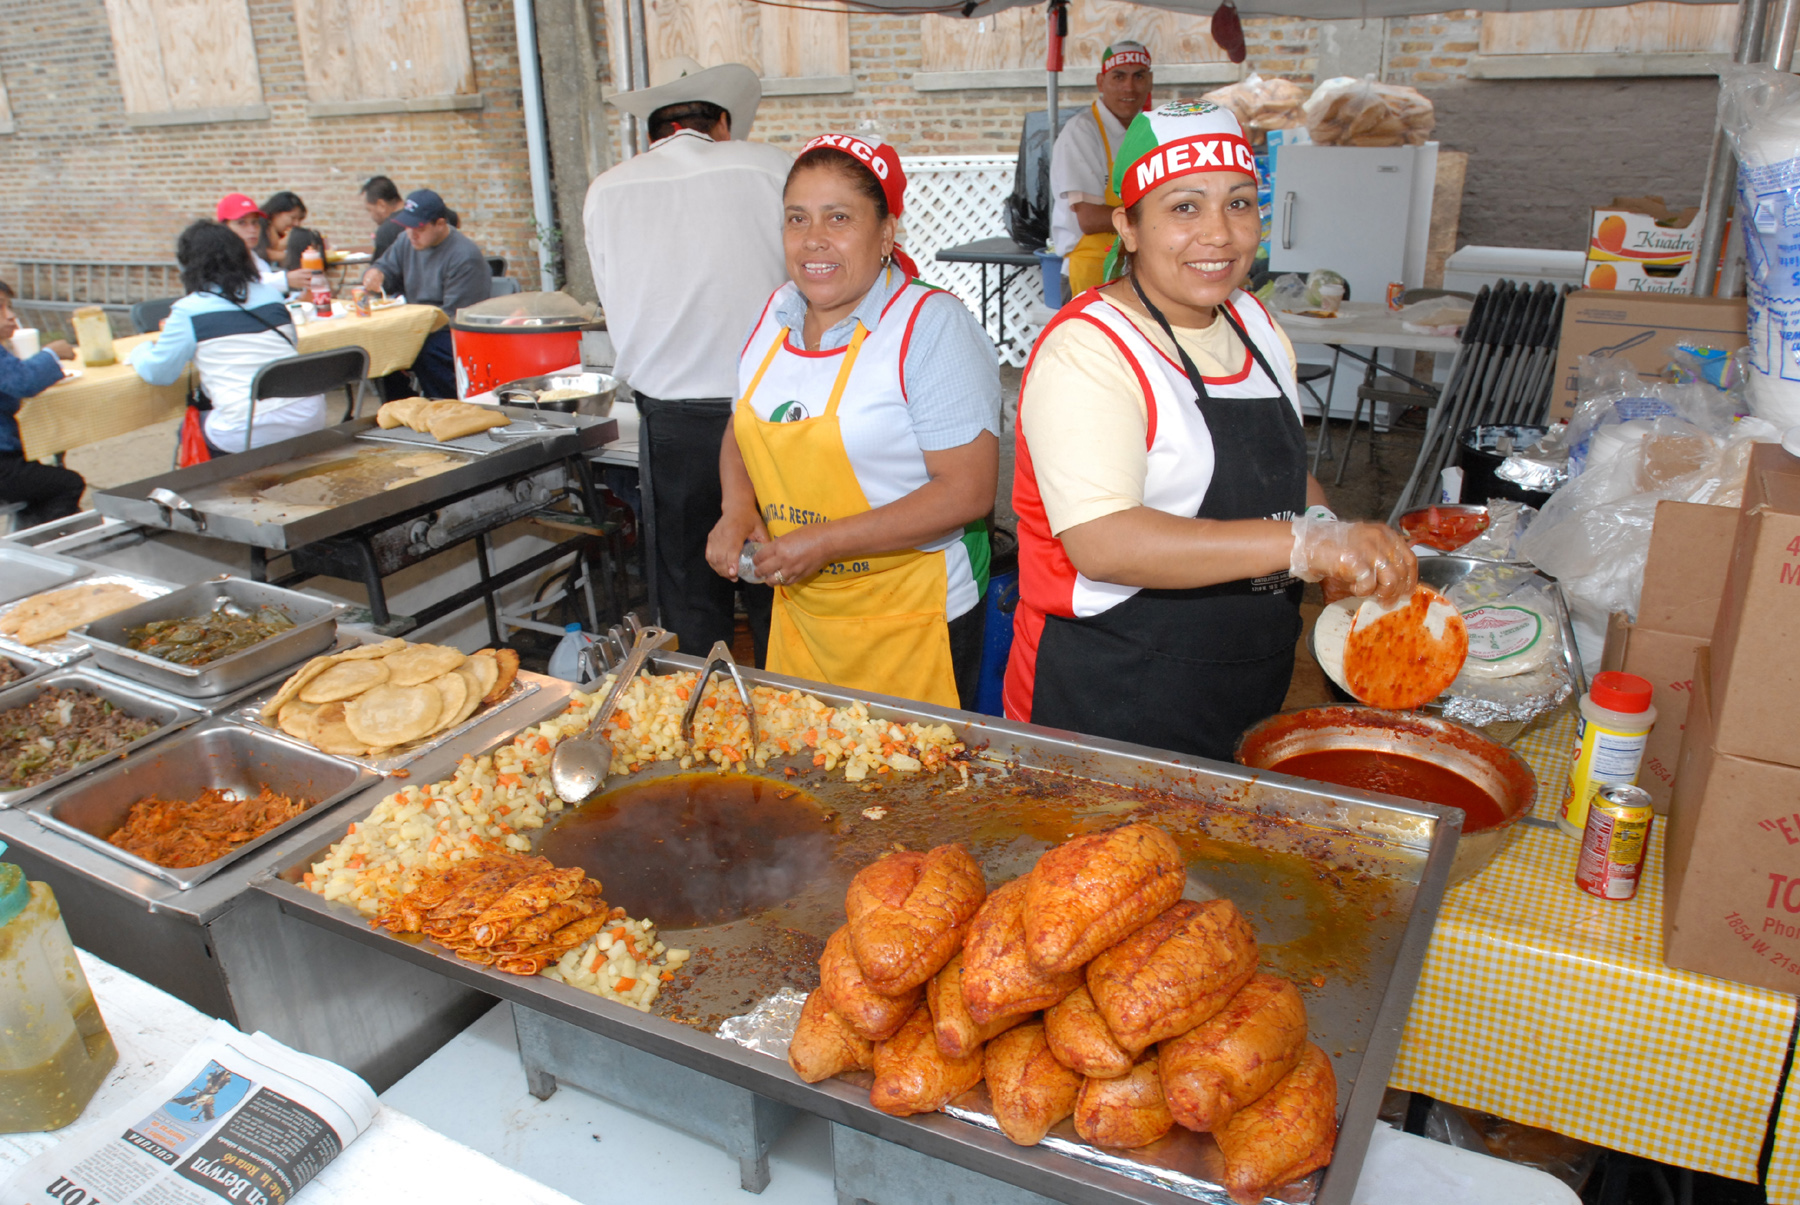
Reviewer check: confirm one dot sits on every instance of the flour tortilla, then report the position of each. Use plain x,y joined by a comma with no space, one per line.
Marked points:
420,663
291,688
453,691
1330,631
299,720
1404,655
486,668
373,652
44,617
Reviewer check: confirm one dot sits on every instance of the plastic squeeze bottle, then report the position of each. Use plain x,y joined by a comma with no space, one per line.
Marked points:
1615,723
565,658
55,1050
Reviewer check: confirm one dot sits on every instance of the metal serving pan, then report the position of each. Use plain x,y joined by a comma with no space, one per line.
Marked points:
1343,888
314,630
601,389
126,696
213,755
31,667
25,571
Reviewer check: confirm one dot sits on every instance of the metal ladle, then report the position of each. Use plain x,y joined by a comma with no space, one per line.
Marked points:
581,762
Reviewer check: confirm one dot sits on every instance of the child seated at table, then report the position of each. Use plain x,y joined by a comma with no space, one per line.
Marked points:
46,490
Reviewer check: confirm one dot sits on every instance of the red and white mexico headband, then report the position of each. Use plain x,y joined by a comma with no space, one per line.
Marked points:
879,158
1179,139
1123,53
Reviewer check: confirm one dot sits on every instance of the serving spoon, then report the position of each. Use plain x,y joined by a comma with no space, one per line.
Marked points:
581,762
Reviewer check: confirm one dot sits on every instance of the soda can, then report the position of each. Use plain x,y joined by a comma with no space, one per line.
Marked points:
1395,291
1612,847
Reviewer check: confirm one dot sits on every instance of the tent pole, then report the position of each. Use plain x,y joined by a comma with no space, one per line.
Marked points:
1057,16
1721,175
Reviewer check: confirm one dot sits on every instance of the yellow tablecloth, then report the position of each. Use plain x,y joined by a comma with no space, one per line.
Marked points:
103,402
1545,1005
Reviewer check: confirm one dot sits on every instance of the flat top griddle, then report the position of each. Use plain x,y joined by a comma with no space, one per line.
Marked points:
346,478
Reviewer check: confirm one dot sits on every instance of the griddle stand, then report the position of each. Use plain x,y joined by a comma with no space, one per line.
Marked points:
353,557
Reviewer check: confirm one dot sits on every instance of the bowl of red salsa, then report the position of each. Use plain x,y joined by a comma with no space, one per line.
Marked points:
1405,755
1444,527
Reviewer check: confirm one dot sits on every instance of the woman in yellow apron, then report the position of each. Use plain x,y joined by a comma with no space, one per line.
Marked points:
865,446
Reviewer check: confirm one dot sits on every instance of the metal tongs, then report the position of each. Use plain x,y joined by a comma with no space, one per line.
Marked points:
581,763
719,658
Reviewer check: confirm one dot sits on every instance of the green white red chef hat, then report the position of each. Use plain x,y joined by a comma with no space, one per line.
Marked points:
1119,54
1179,139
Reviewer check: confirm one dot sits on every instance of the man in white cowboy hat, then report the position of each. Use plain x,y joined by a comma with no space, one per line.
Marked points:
1081,229
685,243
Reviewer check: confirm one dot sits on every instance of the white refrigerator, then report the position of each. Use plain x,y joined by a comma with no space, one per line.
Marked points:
1363,212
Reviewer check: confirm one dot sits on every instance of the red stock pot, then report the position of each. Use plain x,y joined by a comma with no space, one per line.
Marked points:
518,335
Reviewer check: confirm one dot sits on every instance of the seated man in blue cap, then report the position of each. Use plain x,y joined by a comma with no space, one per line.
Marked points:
435,264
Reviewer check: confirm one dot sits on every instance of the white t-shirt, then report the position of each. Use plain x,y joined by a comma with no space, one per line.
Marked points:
1080,169
685,244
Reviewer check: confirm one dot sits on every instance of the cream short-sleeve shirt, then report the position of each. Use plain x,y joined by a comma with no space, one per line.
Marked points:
1083,414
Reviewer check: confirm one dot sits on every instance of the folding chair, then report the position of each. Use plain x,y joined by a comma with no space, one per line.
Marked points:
302,376
147,316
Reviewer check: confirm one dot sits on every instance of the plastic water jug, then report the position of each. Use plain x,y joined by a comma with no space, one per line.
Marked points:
565,660
57,1049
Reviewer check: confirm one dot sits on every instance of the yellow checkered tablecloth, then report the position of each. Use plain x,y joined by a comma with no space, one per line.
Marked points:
114,400
1542,1004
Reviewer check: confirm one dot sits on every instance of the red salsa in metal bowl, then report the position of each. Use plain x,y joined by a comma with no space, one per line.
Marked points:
1397,774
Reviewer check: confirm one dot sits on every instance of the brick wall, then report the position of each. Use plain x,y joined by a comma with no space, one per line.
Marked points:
76,182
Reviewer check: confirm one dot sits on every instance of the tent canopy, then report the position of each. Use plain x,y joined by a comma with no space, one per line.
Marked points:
1318,10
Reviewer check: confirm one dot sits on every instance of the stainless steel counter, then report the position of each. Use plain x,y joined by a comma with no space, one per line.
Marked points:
1353,935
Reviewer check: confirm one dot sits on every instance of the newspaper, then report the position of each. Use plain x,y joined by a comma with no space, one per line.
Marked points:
241,1118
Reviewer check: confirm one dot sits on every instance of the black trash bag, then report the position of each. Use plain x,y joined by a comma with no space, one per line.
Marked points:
1028,208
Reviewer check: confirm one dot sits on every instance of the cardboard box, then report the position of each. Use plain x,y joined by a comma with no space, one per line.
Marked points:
1666,661
1731,874
1637,278
1690,551
1756,641
1643,230
1643,328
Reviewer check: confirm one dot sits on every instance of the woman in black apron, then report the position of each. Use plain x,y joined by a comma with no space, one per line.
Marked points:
1166,517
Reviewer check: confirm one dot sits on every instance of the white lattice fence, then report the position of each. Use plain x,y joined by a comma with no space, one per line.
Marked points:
955,199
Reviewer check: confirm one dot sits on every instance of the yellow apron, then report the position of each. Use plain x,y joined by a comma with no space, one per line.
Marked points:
1087,262
875,623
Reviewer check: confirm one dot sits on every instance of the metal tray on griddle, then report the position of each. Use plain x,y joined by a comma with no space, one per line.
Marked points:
26,571
226,500
212,756
30,667
482,443
1342,887
169,717
314,630
70,646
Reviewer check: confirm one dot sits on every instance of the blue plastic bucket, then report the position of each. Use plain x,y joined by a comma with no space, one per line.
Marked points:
1050,265
1002,599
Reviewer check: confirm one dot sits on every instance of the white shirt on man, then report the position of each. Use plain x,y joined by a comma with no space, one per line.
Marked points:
1080,170
685,244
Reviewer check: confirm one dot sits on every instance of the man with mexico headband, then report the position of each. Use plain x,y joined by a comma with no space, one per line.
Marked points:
1165,510
1081,168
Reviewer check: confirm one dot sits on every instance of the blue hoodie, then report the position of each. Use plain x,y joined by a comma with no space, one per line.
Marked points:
20,379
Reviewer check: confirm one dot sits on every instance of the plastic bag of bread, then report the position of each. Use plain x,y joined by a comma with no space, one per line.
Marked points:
1262,104
1364,112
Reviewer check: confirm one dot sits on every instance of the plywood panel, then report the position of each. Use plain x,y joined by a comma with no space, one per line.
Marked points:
1653,28
137,48
1002,42
798,42
1015,38
709,31
208,55
384,49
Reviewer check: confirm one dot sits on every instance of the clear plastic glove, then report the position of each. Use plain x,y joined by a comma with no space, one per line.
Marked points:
1361,558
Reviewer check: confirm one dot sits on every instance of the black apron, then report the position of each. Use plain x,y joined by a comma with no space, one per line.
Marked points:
1190,670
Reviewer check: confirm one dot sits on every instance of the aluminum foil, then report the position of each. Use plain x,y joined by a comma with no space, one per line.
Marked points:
1533,473
769,1027
1182,1162
1478,702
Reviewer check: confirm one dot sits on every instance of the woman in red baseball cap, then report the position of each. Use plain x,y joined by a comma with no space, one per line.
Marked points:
248,222
864,449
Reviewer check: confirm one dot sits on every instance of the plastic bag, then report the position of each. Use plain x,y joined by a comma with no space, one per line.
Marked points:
1363,112
1262,104
1507,599
1027,209
1759,109
192,448
1286,293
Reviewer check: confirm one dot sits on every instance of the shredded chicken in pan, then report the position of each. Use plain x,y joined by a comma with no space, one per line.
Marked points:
194,832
